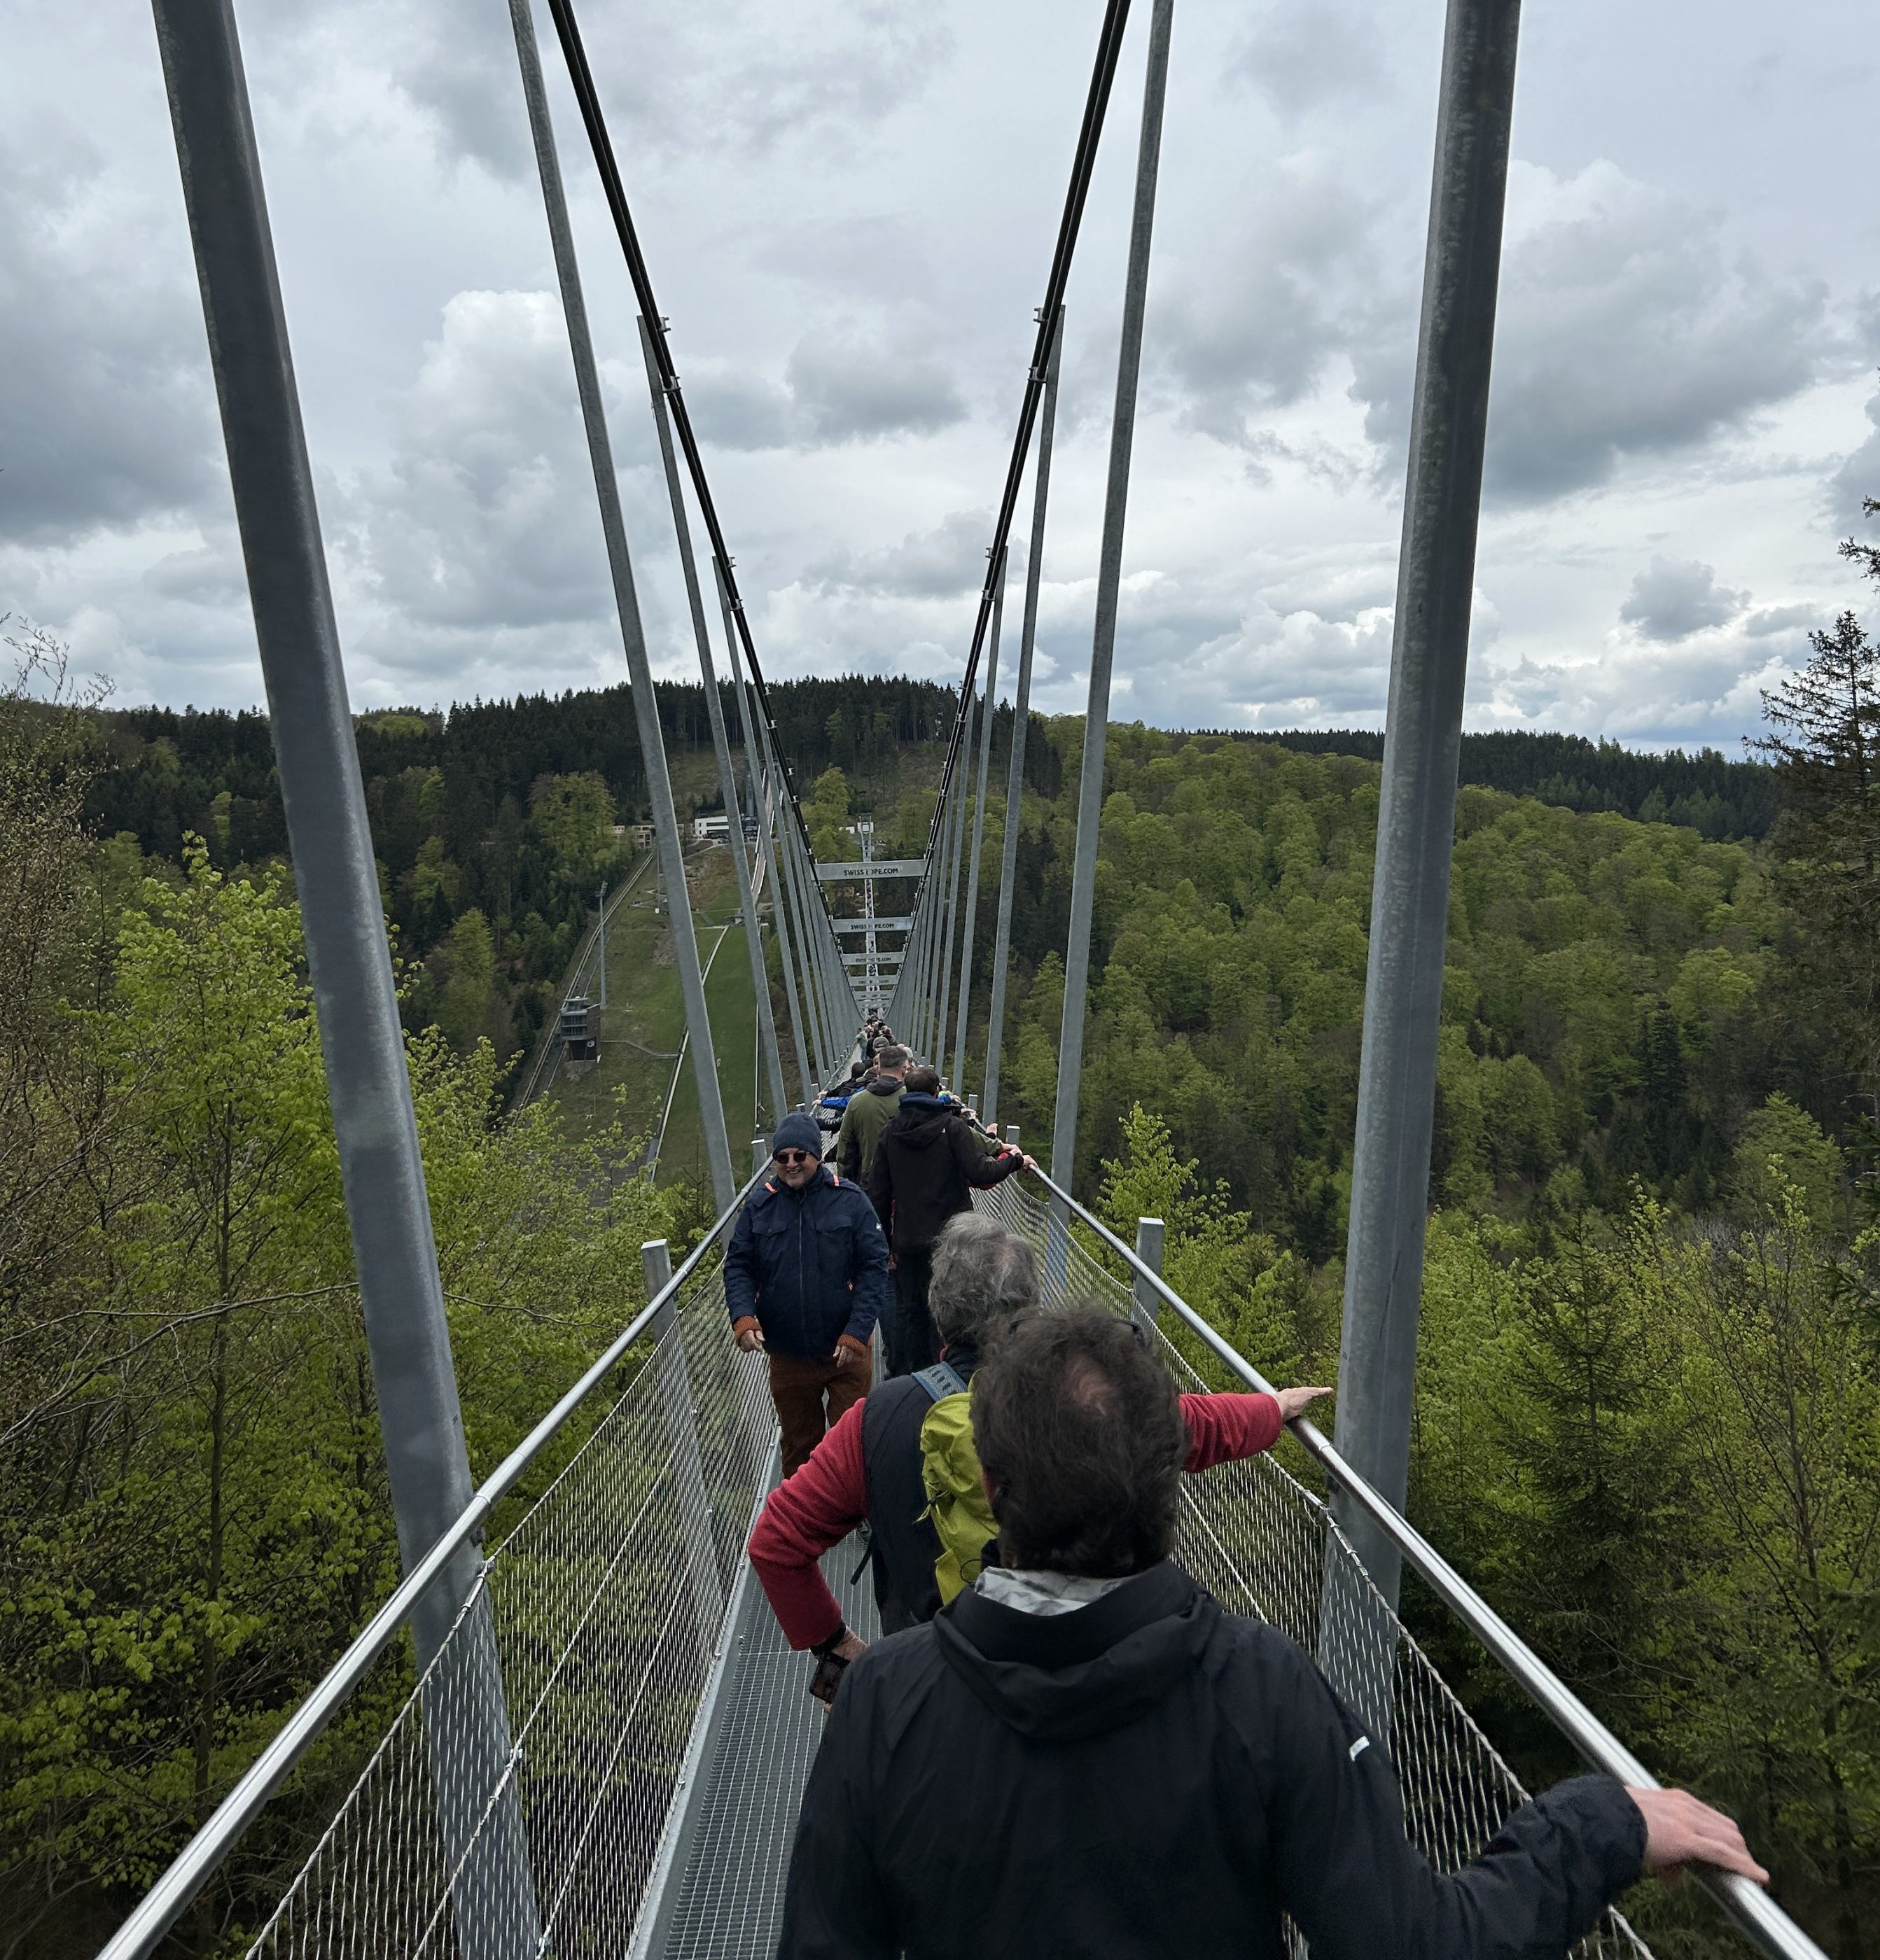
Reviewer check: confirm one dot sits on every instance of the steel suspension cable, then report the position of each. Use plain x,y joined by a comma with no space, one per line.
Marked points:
1083,165
581,76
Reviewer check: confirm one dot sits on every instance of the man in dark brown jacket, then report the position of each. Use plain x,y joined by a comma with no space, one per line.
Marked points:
927,1163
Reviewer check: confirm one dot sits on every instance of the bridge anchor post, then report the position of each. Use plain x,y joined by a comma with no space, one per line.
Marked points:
473,1758
1403,1005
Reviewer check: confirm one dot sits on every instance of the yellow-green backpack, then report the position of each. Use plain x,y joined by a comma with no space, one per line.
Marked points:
957,1508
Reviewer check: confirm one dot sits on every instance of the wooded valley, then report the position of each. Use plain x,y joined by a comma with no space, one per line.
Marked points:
1650,1398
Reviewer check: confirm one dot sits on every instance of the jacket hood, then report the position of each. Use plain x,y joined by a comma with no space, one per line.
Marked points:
885,1085
921,1120
1061,1678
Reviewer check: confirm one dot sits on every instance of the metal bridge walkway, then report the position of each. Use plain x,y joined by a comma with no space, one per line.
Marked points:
723,1898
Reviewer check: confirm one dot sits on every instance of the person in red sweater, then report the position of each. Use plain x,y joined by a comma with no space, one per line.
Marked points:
868,1467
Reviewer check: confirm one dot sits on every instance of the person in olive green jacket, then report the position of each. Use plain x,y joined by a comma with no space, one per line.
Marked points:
869,1112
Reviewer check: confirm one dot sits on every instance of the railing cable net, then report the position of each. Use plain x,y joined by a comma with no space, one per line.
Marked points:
605,1605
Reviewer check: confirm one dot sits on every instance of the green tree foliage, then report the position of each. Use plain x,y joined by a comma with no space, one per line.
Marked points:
1824,739
1655,1444
575,816
1615,1003
193,1519
826,812
470,961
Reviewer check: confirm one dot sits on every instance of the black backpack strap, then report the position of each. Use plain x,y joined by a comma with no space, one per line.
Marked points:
902,1544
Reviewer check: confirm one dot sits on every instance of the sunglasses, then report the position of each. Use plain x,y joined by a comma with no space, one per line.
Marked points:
790,1159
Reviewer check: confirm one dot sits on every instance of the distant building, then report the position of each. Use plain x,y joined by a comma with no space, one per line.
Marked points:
642,836
711,829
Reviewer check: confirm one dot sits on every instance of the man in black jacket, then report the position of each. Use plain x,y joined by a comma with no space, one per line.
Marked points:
928,1162
1083,1754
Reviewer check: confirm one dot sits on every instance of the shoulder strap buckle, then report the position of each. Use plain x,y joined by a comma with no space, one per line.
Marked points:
940,1380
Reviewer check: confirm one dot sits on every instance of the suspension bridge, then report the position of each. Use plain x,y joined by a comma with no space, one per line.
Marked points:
598,1740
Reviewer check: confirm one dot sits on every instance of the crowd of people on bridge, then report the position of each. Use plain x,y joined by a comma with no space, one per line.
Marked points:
1062,1743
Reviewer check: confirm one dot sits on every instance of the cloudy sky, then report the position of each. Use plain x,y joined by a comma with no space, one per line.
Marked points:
848,209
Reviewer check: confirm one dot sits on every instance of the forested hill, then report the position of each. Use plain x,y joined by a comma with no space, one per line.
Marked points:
1648,1406
1707,791
495,822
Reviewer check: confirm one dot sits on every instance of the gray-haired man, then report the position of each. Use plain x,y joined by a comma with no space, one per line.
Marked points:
868,1466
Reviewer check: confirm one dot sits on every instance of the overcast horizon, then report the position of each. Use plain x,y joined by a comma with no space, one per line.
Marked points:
848,212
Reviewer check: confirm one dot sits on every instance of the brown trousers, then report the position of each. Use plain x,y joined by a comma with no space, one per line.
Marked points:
797,1385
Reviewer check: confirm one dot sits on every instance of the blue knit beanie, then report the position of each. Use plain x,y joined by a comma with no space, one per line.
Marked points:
798,1132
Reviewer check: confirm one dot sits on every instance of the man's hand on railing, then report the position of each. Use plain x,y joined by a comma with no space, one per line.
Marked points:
1681,1831
1296,1401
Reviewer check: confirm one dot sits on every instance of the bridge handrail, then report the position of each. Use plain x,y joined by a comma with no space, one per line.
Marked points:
159,1908
1753,1911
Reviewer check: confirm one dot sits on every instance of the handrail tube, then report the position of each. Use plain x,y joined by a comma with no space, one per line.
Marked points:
1756,1915
157,1910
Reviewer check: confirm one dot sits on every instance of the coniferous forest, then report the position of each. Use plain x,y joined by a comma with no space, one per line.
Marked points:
1649,1417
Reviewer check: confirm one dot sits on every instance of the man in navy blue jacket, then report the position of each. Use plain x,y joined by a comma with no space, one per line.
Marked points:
805,1277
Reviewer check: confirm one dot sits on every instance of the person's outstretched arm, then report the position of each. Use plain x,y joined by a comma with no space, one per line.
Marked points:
741,1270
1357,1888
867,1277
981,1172
1224,1428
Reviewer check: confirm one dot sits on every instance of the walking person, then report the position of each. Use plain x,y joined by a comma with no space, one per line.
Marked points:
927,1163
869,1112
805,1279
1083,1753
880,1466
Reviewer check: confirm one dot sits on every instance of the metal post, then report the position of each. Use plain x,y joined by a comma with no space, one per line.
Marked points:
601,942
989,702
1145,1303
682,1431
718,1149
1410,900
715,714
1070,1054
1012,1134
766,849
1021,722
955,865
350,964
789,895
815,1000
914,973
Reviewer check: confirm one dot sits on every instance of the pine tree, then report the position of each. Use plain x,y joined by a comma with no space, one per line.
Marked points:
1824,741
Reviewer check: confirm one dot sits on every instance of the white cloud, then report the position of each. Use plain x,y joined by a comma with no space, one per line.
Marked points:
939,564
104,416
847,208
1302,54
1628,327
484,515
1673,598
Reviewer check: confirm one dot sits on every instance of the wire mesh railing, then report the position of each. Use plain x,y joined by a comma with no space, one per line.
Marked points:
603,1606
545,1820
1265,1545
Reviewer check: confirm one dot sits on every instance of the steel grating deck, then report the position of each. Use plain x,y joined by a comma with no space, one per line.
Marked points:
727,1891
